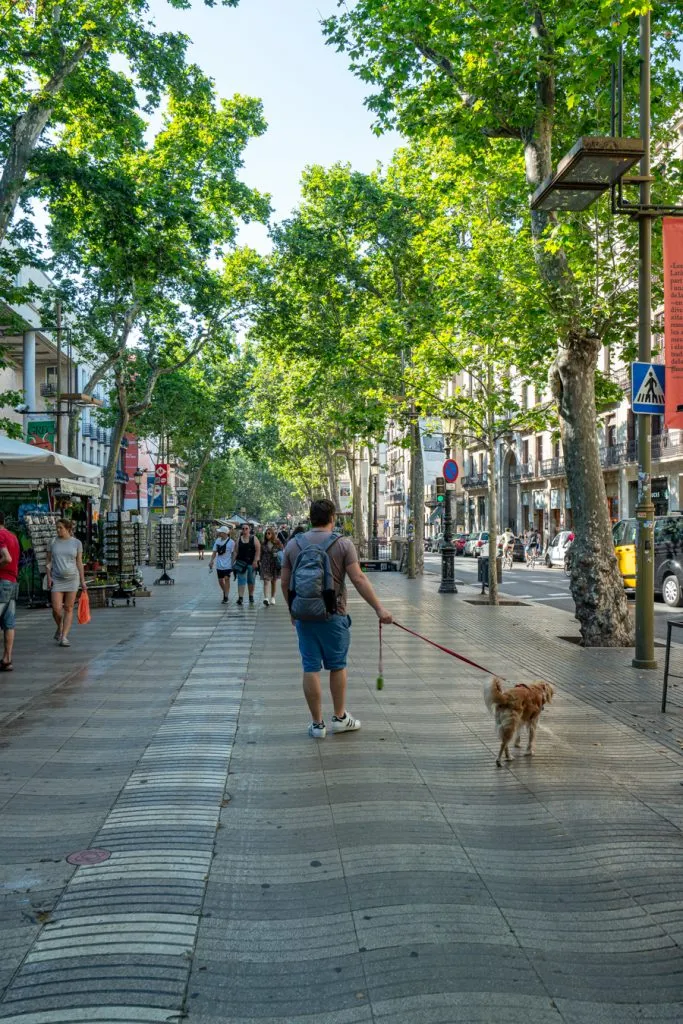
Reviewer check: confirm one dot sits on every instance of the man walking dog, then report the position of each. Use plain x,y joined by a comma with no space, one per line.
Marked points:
314,567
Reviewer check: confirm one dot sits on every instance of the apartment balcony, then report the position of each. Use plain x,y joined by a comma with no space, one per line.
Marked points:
552,467
622,378
48,390
475,480
621,454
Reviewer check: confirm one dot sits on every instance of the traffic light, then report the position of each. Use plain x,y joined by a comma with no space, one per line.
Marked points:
440,489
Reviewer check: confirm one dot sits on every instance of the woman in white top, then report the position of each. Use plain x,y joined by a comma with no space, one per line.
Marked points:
223,554
64,572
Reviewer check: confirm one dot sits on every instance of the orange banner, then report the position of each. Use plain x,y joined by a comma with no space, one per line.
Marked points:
673,320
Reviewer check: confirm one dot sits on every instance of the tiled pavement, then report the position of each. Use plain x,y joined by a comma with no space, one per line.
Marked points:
393,875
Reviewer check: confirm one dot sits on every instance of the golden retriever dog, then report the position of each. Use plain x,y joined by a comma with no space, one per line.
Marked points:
515,708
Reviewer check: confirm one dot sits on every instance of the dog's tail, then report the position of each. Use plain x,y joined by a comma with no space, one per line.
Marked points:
493,691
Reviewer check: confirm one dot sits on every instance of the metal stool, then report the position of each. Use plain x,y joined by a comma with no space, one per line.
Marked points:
670,623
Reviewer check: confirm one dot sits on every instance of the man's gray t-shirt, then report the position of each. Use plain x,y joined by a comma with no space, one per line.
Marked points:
64,553
342,554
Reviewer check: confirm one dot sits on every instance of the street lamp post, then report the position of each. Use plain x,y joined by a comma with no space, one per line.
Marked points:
374,469
447,585
138,475
592,167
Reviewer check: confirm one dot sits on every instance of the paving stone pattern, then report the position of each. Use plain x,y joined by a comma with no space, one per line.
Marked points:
391,875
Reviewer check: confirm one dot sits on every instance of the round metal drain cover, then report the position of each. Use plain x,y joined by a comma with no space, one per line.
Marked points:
85,857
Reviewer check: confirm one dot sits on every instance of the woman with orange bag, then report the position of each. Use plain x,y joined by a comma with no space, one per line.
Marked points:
64,569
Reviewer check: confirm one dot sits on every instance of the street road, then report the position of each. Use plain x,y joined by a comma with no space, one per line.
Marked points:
537,586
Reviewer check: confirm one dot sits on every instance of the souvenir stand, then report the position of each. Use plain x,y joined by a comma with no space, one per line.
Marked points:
121,548
42,530
165,548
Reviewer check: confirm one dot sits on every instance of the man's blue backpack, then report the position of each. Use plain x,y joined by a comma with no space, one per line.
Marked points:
312,597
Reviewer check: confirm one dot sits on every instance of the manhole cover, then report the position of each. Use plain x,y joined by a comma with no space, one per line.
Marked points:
85,857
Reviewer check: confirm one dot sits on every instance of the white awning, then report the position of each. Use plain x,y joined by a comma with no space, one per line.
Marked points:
19,461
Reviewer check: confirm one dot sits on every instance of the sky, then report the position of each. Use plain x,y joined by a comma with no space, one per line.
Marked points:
274,49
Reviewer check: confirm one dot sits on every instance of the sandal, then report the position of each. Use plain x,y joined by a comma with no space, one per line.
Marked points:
6,666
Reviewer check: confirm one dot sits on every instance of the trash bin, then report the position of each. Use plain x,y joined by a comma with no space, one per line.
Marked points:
483,571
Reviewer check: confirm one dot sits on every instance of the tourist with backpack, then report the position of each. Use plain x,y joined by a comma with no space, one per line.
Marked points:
223,554
314,568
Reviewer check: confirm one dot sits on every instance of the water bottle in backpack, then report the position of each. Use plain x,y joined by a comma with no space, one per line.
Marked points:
312,597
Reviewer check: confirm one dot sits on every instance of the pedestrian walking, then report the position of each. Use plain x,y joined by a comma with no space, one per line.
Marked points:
314,568
246,560
223,554
9,590
201,543
64,572
271,550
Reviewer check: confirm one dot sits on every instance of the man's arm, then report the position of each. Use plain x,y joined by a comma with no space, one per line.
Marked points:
366,591
285,576
257,551
5,557
213,558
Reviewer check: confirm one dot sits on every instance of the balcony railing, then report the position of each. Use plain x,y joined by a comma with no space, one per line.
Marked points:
48,390
552,467
620,454
476,480
527,470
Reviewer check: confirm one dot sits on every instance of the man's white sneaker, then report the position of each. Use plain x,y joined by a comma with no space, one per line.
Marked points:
345,724
317,730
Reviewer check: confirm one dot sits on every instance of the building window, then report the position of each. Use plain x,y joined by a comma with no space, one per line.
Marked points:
525,396
539,448
525,452
556,450
84,452
611,435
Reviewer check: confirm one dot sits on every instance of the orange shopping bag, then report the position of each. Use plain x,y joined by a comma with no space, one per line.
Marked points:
84,608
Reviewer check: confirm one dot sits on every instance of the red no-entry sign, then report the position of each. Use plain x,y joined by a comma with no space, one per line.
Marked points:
450,471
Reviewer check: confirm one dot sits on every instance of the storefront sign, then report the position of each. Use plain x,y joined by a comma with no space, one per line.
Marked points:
154,492
539,499
41,434
672,231
554,498
129,459
525,497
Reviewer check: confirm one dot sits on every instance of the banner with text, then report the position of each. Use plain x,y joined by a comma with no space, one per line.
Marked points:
673,320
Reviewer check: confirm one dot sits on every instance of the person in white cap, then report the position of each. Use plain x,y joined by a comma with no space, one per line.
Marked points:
223,554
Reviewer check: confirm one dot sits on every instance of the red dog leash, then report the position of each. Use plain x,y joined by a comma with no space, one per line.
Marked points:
440,647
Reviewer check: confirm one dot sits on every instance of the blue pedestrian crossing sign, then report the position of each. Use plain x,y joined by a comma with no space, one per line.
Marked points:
647,388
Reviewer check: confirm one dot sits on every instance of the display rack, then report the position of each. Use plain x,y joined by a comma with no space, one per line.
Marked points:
120,551
165,548
42,529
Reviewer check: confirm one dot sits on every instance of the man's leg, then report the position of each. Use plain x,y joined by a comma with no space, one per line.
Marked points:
338,691
9,644
313,695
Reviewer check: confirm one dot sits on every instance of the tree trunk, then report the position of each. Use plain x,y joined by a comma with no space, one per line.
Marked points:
417,487
493,518
332,478
353,463
597,587
191,491
596,584
72,443
119,430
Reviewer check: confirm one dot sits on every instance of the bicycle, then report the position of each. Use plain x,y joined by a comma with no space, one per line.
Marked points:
532,558
507,560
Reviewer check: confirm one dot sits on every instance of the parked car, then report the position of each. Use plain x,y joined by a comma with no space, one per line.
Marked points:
558,548
469,544
668,556
459,542
480,540
437,542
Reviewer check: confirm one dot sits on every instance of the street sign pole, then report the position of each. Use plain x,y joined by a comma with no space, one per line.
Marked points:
447,585
645,512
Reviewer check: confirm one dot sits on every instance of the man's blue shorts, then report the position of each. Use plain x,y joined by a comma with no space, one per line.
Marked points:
8,604
324,644
248,576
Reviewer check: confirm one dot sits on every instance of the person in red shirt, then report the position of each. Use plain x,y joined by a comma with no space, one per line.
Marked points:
9,589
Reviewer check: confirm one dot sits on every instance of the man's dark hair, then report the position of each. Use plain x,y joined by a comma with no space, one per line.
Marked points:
323,511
